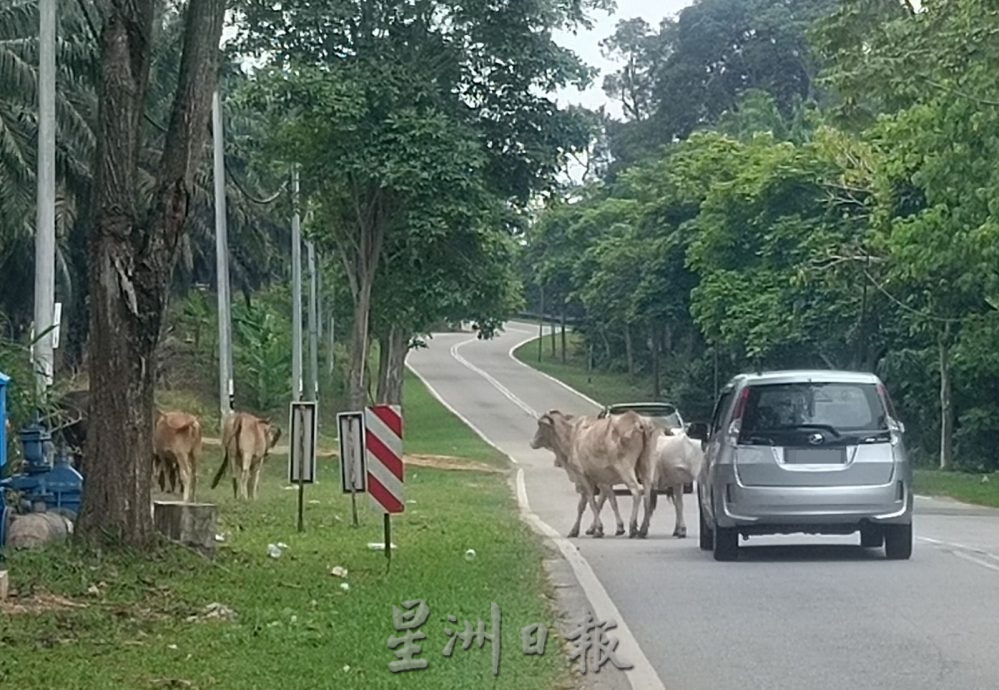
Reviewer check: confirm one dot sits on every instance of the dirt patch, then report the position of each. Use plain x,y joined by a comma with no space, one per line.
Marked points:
437,462
447,462
39,603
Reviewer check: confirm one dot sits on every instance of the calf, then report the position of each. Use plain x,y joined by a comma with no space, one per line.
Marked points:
598,453
246,440
176,447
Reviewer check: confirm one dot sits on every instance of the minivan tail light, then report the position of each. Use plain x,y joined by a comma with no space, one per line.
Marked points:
735,427
895,427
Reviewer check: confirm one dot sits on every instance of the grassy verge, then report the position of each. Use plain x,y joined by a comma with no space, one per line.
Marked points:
610,388
606,388
124,622
961,486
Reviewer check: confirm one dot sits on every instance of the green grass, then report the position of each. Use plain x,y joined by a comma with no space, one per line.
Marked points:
962,486
606,388
296,627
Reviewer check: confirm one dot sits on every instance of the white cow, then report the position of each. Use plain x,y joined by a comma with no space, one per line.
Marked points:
678,461
598,453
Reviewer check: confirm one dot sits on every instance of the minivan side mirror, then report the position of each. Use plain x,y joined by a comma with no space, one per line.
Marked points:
697,431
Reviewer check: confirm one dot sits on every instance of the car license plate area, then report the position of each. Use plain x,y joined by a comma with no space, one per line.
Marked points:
814,456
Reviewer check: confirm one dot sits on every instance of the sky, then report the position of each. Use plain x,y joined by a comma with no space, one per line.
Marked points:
586,44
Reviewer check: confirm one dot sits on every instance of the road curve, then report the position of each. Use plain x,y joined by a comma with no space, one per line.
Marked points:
799,613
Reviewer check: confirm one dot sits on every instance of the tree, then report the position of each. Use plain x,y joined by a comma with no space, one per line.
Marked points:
425,104
132,252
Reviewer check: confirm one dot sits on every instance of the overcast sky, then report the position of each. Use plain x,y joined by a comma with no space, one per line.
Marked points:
586,44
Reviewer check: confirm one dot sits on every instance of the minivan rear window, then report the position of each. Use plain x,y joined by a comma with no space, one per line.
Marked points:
841,408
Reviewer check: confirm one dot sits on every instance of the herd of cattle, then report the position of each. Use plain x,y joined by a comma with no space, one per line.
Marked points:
598,453
177,445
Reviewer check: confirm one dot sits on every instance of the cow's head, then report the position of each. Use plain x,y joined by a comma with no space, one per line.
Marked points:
272,432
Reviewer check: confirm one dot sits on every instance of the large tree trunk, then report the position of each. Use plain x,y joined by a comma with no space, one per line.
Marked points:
131,258
359,348
391,365
541,324
946,404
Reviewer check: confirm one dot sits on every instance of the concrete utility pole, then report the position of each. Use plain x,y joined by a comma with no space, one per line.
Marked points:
226,389
45,218
296,292
312,394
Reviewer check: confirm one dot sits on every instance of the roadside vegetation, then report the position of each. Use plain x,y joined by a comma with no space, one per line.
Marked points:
827,202
85,619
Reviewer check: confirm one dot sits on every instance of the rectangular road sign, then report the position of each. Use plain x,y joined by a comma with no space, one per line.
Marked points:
383,446
302,442
353,468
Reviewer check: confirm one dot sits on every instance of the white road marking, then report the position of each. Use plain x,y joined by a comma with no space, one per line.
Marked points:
547,376
967,553
643,675
495,384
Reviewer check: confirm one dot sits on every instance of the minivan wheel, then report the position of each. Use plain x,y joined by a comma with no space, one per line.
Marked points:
898,542
706,541
871,537
726,543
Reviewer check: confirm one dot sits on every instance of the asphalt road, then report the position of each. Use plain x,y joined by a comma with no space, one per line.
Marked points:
793,612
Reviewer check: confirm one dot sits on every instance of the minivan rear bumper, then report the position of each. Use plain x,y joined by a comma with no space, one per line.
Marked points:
841,506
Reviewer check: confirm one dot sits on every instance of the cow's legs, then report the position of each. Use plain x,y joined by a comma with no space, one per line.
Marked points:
186,481
244,476
681,527
631,482
580,507
597,527
255,477
608,494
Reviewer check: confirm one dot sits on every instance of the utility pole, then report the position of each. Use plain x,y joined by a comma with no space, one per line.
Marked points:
296,292
312,394
45,217
226,390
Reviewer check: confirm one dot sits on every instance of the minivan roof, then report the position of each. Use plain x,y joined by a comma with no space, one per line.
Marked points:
806,376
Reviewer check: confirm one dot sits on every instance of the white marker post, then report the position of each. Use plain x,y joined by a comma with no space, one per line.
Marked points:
353,468
302,452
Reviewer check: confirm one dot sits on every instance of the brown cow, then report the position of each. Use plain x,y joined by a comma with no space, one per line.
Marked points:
598,453
176,447
246,440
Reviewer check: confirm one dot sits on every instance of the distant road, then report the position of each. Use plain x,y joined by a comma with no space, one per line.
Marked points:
794,612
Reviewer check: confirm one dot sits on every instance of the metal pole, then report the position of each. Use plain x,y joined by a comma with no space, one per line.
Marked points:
45,216
388,540
296,292
312,394
222,264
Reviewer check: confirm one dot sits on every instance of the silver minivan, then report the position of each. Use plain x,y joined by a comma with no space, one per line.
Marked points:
812,452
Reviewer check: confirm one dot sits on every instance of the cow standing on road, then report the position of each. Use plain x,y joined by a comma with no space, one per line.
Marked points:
598,453
678,462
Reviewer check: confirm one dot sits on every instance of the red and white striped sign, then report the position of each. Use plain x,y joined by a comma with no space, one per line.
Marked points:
383,441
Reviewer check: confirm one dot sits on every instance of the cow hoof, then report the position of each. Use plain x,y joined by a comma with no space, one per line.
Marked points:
643,533
680,533
620,531
632,531
589,532
573,533
598,535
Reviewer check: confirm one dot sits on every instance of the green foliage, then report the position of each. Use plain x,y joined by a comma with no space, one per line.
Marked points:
863,234
261,349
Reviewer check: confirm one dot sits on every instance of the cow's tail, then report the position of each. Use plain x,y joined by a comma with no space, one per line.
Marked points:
226,442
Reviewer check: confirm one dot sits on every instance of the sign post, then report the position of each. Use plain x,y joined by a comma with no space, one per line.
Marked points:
302,451
383,448
353,469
